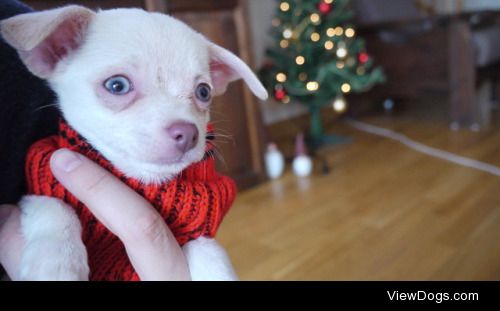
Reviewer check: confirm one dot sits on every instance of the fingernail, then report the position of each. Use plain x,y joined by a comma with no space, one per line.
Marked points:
4,213
65,160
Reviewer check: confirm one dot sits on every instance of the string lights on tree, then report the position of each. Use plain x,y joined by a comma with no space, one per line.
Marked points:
318,58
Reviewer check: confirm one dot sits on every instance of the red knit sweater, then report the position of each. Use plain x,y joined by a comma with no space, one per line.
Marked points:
193,204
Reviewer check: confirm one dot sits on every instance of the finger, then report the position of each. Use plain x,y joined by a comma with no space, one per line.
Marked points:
150,245
11,240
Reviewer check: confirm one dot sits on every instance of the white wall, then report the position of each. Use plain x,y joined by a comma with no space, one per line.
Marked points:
451,6
260,15
481,4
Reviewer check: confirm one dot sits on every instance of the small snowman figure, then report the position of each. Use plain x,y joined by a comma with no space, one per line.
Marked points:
302,164
274,161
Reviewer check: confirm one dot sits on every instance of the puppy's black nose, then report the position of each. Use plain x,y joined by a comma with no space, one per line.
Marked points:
185,135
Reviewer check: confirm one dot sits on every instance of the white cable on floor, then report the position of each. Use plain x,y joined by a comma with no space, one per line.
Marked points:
433,152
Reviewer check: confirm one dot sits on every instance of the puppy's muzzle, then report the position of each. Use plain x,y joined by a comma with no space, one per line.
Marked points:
185,135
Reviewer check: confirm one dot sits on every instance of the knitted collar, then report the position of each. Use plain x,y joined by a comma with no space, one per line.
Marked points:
71,139
193,204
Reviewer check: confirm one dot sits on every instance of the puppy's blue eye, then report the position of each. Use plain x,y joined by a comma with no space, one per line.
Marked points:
203,92
118,85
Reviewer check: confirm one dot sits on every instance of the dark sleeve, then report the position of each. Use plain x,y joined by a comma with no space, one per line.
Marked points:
24,112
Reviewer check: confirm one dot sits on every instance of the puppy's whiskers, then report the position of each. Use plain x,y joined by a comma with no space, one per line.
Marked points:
46,106
218,155
224,138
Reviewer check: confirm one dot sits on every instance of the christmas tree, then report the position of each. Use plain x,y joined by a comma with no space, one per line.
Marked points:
317,58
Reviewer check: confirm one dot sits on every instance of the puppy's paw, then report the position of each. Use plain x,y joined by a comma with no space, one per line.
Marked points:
208,261
54,260
54,249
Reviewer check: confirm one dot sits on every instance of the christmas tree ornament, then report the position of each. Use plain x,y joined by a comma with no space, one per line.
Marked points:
302,164
363,57
280,94
324,7
388,104
274,161
339,104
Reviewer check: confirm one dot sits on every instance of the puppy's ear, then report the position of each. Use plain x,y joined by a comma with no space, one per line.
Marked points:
44,38
225,67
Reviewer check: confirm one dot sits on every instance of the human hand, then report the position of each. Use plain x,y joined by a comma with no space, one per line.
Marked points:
150,245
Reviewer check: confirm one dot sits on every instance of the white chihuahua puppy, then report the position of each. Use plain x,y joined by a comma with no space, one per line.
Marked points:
138,87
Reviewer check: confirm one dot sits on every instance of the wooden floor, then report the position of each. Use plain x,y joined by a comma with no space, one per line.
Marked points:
385,212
